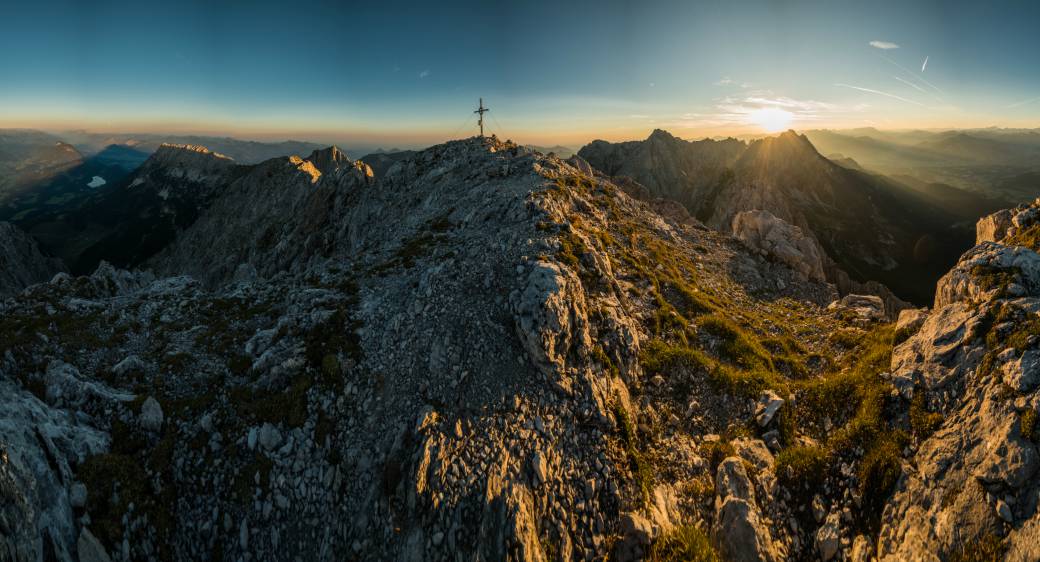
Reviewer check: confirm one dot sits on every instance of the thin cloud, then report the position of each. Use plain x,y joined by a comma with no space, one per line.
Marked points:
924,64
914,75
424,73
885,45
1024,102
735,110
724,81
911,84
880,93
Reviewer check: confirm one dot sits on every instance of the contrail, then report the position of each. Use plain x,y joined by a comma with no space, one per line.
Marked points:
1024,102
912,85
880,93
914,75
925,63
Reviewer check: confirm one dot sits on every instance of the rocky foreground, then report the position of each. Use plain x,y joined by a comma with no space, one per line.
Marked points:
488,354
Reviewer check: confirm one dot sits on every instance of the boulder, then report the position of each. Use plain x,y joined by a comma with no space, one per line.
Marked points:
828,537
742,531
768,405
755,452
637,532
910,321
129,365
269,437
866,307
862,550
151,415
992,228
89,548
782,241
582,165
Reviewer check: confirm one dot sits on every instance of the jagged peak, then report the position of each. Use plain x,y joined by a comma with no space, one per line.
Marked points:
789,143
662,135
329,159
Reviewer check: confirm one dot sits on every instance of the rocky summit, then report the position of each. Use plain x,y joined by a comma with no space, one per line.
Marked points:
487,353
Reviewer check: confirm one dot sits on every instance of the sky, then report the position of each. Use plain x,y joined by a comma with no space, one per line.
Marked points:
410,73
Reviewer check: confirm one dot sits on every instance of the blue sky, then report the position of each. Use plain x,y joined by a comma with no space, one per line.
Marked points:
409,72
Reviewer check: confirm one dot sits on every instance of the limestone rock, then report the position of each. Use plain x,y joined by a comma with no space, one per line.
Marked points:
1023,373
784,242
828,537
866,307
987,270
269,437
151,414
89,548
992,228
740,526
910,321
768,405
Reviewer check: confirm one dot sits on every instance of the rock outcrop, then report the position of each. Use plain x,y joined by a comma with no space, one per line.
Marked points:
970,489
21,261
764,231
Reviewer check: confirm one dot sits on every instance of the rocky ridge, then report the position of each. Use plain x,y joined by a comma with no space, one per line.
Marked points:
487,353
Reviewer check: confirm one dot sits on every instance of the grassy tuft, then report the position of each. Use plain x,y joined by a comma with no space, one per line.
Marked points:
640,467
878,474
802,468
1027,424
988,549
734,345
922,422
685,543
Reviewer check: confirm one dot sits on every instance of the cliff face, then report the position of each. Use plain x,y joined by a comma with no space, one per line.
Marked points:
970,487
21,262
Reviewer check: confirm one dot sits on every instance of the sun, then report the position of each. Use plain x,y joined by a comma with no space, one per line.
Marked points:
771,119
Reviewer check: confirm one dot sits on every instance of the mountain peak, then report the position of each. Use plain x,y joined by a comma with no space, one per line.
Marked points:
788,143
662,135
329,159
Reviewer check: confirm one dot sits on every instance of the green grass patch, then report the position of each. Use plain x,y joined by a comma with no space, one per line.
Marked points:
996,278
1028,237
1027,424
734,346
642,473
685,543
923,422
878,474
988,549
802,468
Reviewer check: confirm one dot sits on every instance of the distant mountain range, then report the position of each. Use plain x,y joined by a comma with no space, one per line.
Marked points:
894,207
981,160
904,234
